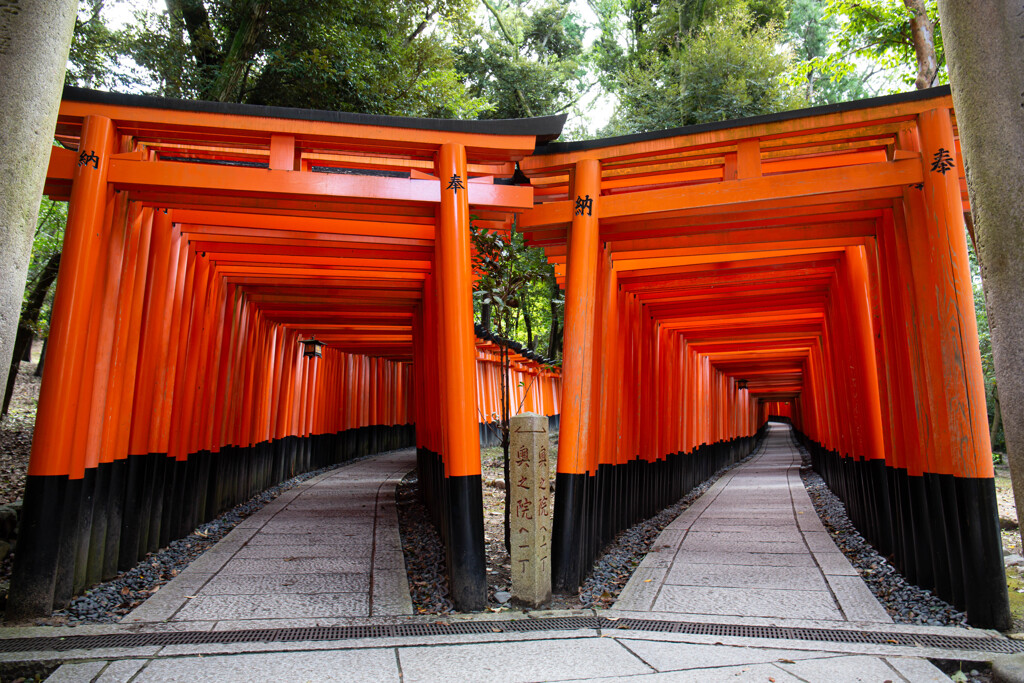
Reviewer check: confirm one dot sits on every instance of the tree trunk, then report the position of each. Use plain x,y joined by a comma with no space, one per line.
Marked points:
504,356
42,359
35,38
997,417
26,353
554,337
485,316
230,78
922,32
531,343
985,57
27,323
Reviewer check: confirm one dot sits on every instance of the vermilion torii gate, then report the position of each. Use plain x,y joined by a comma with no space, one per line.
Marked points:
204,242
809,264
812,263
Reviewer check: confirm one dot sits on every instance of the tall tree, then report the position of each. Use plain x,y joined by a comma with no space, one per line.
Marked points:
985,44
35,38
704,68
527,59
378,57
826,75
900,36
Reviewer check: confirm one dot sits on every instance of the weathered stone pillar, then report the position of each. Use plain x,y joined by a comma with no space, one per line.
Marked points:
531,511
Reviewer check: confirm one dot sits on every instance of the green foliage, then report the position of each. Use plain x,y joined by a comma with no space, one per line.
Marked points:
528,58
825,76
988,366
879,31
731,67
506,269
48,240
93,50
380,56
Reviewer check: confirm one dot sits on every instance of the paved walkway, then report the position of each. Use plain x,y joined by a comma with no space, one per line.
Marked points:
749,553
752,546
320,553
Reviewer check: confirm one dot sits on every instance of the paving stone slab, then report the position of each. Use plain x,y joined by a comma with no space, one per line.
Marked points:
917,670
285,605
746,558
76,672
855,669
739,576
324,550
544,660
712,542
120,671
287,583
301,565
307,537
732,520
730,674
759,602
391,593
856,599
820,542
835,563
666,656
353,666
642,588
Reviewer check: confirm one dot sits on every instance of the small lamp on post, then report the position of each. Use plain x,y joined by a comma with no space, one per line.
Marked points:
741,384
312,347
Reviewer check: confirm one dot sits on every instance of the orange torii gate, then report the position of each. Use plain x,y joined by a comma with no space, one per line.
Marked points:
809,265
204,243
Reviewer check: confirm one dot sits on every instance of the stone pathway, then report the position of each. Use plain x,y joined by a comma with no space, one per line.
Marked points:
752,546
749,552
328,549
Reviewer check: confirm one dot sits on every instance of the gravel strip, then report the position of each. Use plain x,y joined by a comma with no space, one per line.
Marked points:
425,561
905,602
107,602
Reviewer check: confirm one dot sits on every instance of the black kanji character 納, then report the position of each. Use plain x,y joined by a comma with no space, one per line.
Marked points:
584,204
90,157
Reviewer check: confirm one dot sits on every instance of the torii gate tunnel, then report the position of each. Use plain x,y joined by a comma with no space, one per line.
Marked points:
810,265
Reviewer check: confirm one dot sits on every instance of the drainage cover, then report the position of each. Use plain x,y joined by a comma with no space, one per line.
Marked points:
440,628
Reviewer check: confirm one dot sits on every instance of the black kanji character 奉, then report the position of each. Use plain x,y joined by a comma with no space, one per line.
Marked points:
584,204
943,161
456,184
85,158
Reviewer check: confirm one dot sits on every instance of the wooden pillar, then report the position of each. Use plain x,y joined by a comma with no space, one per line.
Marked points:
574,482
966,474
48,489
466,561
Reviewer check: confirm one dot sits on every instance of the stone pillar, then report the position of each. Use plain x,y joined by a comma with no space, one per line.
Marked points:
531,509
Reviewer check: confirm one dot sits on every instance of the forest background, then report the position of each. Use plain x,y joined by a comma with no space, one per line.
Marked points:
614,66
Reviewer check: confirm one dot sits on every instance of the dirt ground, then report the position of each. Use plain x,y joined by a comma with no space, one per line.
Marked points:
16,430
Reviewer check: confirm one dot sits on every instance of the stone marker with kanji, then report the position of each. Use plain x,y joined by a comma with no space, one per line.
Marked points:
531,509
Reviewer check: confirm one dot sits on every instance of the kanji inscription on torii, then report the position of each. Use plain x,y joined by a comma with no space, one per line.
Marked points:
531,509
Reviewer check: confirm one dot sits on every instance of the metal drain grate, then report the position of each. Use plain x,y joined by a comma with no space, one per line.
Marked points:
440,628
